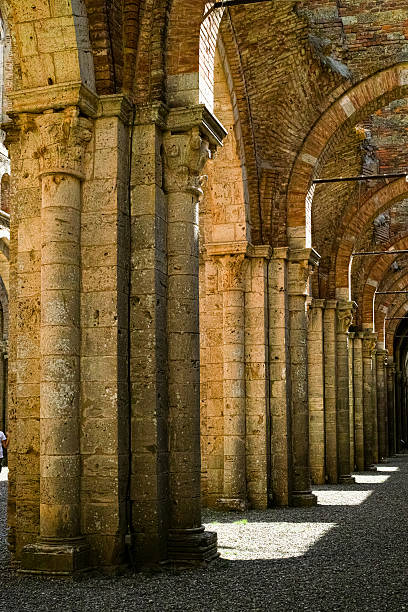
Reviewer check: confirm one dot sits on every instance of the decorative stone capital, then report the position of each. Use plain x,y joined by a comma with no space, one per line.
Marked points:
62,139
344,316
331,304
233,269
381,357
369,343
191,135
304,262
317,303
185,155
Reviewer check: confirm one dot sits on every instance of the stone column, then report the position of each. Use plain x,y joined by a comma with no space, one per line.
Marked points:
344,319
330,389
382,404
316,392
186,150
374,409
358,386
351,337
404,424
392,434
398,408
301,263
60,548
280,442
368,348
233,303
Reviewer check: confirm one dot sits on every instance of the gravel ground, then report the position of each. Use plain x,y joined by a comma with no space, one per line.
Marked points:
350,553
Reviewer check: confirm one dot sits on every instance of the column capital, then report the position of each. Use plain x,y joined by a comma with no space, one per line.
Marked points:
382,355
280,253
344,316
60,140
369,342
307,257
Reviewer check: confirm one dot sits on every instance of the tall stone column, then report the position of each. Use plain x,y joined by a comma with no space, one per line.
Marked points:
392,434
369,341
344,319
316,392
374,407
60,548
382,404
351,337
404,419
279,366
330,390
186,147
233,298
358,387
301,263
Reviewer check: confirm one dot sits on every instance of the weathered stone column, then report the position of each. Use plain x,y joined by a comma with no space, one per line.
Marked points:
186,151
301,263
382,404
358,400
330,390
392,434
404,419
316,392
374,408
280,443
344,319
351,336
60,548
398,408
368,347
233,298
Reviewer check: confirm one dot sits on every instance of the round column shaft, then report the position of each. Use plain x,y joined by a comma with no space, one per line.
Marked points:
344,318
358,401
391,408
382,405
368,347
330,390
60,338
316,392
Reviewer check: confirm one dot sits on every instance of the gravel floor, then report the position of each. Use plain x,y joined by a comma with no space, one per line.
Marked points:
350,553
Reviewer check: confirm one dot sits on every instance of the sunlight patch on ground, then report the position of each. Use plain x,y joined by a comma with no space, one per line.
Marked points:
370,478
4,474
387,468
342,498
244,541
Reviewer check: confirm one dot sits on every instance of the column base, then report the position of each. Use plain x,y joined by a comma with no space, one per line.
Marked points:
232,503
55,557
191,547
303,499
347,479
371,468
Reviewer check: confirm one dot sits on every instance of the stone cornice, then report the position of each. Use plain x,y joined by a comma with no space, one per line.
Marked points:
309,256
187,118
151,113
317,303
239,247
54,97
280,253
115,105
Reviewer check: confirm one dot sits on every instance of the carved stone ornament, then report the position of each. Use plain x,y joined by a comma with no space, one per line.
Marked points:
233,269
185,155
344,320
62,138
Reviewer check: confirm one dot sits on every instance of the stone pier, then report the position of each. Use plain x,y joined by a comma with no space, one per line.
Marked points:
330,390
301,264
369,340
358,386
344,319
316,392
382,404
392,433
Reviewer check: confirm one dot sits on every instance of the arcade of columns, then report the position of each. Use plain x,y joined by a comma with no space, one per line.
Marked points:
188,325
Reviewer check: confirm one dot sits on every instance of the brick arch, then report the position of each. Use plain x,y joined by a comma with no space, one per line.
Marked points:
374,274
357,217
362,99
391,326
383,303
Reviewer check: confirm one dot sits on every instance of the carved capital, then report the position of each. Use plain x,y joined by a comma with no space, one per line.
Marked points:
369,344
344,317
185,155
233,269
61,141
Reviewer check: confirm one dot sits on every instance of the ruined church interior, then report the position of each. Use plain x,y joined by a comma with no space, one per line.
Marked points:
204,294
